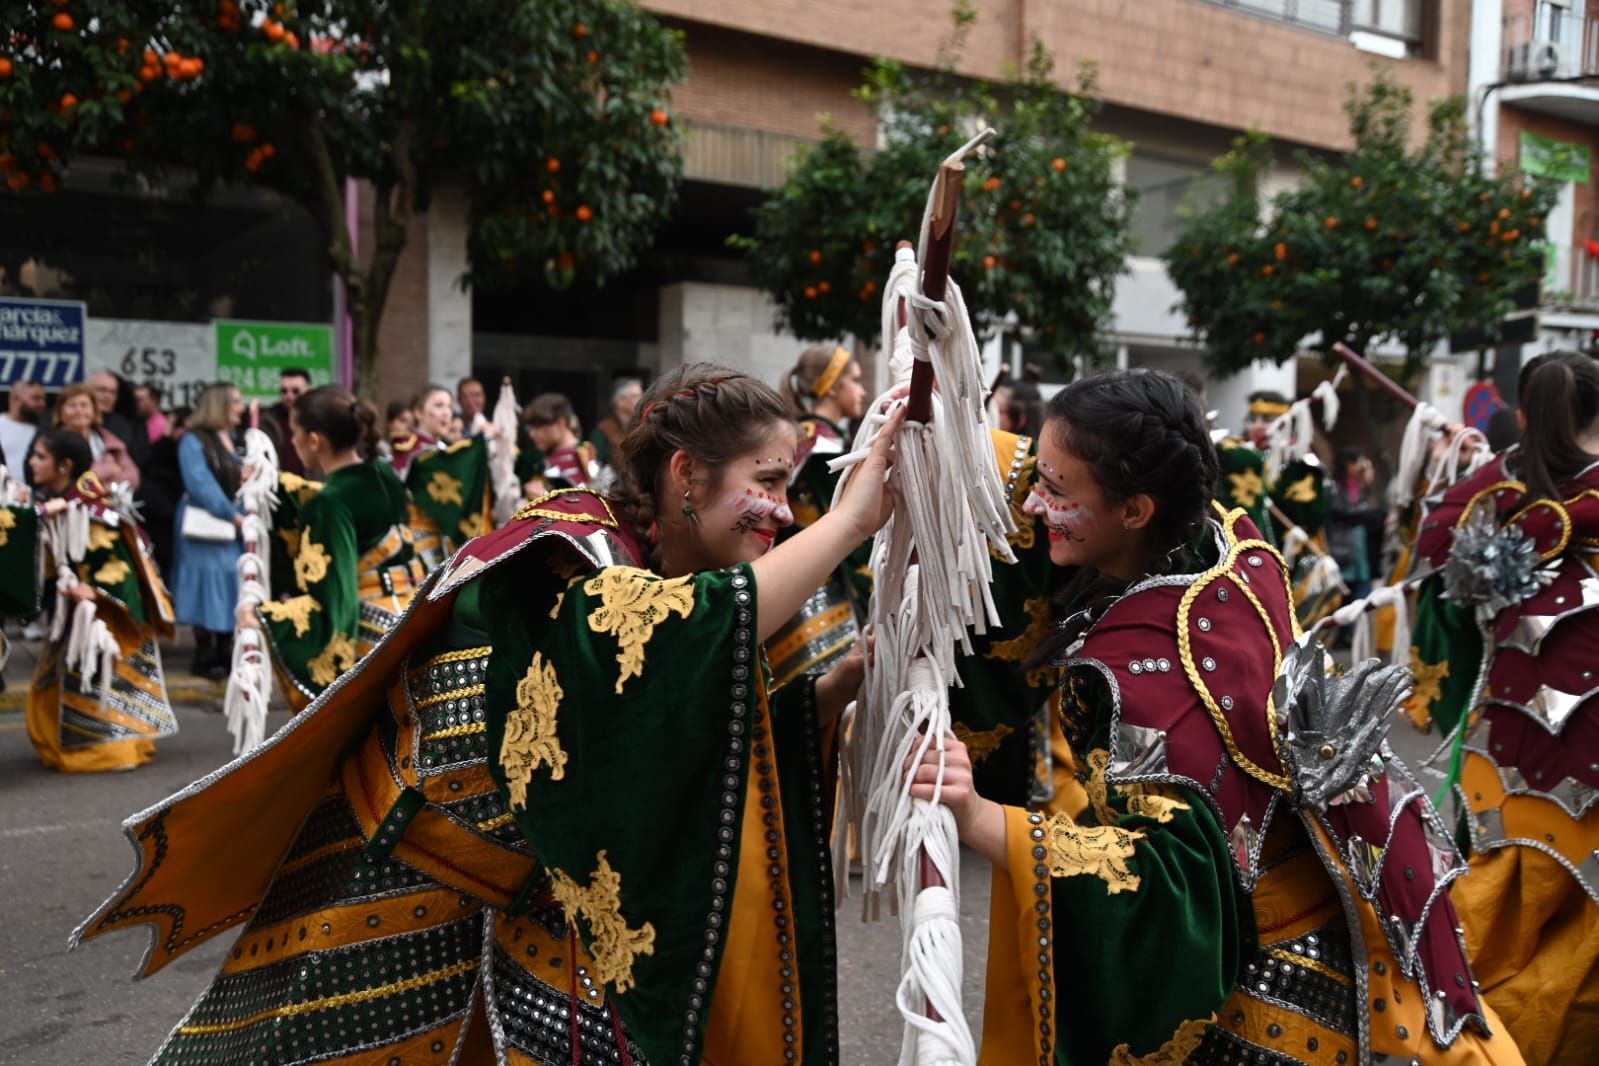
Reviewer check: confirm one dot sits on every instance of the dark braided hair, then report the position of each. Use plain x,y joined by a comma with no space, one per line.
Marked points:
343,420
1140,432
712,413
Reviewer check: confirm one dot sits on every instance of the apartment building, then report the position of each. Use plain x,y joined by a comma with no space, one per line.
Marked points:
1180,78
1531,82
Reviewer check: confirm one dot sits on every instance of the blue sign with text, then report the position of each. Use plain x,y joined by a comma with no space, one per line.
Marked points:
41,340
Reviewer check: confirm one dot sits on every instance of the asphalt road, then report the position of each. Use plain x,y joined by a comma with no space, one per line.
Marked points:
62,852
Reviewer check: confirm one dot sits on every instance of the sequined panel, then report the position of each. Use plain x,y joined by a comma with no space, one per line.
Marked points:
1221,1047
536,1017
1311,974
331,1003
329,865
375,621
448,696
820,634
137,690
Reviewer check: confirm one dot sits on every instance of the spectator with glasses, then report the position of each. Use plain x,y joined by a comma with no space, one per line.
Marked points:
293,383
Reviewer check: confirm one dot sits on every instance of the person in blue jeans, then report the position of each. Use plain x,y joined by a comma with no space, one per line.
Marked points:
206,577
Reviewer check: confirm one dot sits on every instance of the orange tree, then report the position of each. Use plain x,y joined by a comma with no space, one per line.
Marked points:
1389,242
551,114
1043,228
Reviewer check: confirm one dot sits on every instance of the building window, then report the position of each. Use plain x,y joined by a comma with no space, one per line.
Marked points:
1164,187
1401,20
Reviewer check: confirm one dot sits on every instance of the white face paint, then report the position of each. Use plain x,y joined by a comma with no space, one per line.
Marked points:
1064,521
752,508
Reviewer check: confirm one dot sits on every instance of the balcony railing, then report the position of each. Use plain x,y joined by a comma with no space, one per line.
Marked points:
1553,44
1584,275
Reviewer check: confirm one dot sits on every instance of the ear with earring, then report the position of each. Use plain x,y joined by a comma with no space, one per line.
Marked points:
688,508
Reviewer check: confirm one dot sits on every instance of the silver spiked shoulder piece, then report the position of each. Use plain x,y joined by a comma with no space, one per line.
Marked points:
1334,726
1493,567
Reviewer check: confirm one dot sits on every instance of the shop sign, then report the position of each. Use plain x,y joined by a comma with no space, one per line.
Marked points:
252,355
179,358
41,340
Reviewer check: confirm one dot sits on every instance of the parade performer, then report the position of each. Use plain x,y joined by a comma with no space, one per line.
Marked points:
1505,650
553,816
609,431
450,483
569,462
21,566
98,699
1238,819
823,391
352,566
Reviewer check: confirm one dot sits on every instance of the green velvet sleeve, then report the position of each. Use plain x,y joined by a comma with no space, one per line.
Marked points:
1148,941
624,722
1243,483
19,562
451,486
110,567
1302,493
1446,653
313,633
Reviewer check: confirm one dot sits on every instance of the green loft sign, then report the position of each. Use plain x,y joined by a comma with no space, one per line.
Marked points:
1550,158
252,355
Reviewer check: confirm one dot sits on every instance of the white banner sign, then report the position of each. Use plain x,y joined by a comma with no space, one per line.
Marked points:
179,358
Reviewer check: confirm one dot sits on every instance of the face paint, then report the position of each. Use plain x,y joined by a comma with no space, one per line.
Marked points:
753,508
1064,522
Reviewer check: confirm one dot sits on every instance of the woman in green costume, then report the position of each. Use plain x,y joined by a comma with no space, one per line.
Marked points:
521,830
447,477
98,700
1233,876
354,573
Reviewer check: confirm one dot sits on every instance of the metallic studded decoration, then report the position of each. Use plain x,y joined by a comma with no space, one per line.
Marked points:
1312,975
536,1017
1492,567
447,694
1044,941
123,699
1221,1046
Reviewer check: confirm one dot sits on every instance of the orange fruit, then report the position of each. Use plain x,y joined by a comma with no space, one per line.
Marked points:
8,162
1464,227
1267,271
68,101
172,59
584,212
1232,258
549,196
1058,163
869,288
990,262
1259,338
1029,218
816,257
243,132
824,286
594,57
580,31
5,67
659,116
1280,250
268,150
1356,182
274,30
292,39
1504,212
44,151
553,166
124,95
810,292
1371,224
62,21
991,184
149,74
1510,235
1330,222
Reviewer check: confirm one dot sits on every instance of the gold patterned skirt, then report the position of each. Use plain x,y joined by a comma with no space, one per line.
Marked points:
77,731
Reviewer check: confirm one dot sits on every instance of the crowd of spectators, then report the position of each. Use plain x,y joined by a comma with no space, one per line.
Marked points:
174,459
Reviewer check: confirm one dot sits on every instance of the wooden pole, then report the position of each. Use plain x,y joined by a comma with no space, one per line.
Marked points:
1359,364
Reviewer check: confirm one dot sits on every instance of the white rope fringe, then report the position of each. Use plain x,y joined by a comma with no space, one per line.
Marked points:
249,693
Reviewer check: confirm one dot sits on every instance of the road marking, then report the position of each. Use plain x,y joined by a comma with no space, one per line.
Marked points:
64,827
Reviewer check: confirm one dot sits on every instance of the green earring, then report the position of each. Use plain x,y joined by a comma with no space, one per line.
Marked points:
688,511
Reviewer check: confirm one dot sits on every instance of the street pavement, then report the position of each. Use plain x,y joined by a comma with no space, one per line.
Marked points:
62,852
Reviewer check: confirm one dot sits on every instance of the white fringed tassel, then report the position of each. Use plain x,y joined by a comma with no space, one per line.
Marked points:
249,693
502,456
950,511
1361,615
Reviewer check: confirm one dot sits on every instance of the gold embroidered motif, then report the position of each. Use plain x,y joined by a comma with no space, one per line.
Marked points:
1100,850
1429,688
1248,488
311,564
1302,491
445,489
291,540
980,745
530,740
100,537
1026,527
336,658
632,603
297,610
474,526
1145,801
614,945
300,488
1174,1052
8,522
1020,649
114,572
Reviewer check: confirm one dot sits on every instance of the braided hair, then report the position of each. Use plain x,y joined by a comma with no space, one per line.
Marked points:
1142,432
711,412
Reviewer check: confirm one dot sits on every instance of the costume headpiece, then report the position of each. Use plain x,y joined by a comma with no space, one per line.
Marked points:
835,370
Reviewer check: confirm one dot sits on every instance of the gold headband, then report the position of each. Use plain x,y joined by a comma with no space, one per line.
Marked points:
834,371
1268,408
